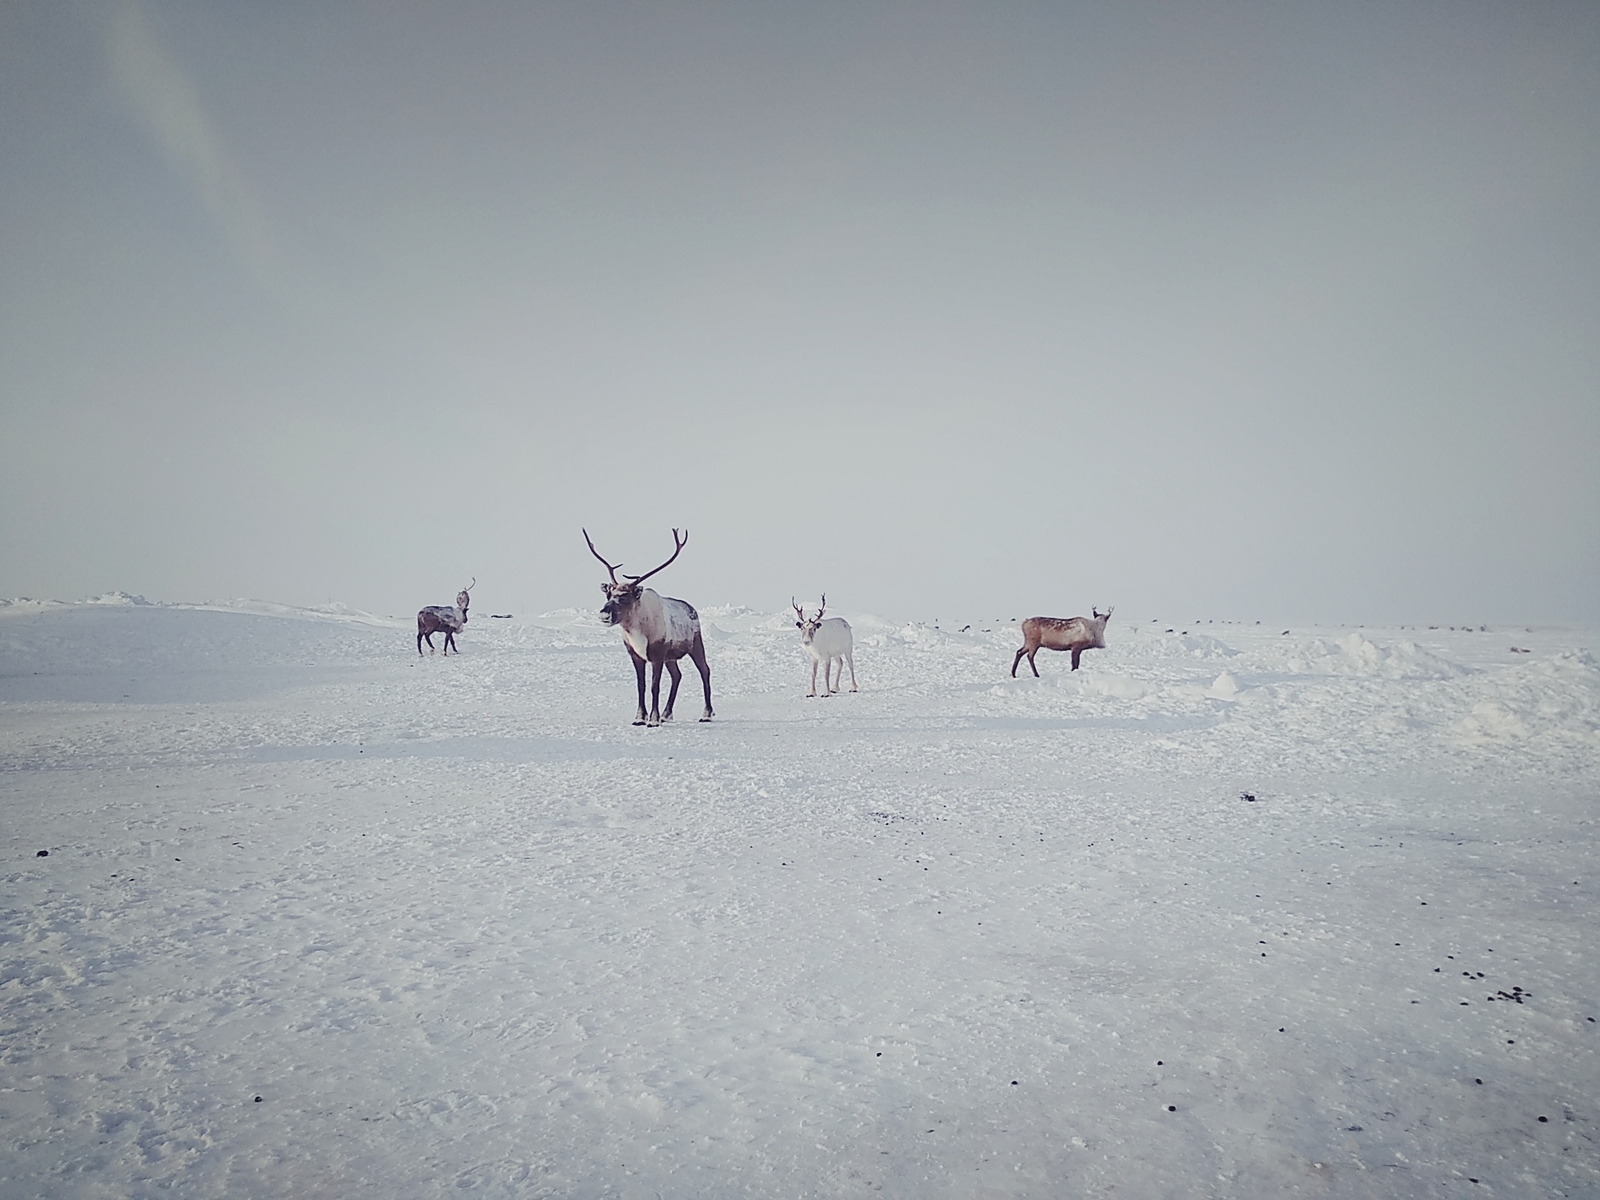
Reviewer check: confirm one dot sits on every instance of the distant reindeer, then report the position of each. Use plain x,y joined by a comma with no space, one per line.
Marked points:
1062,633
656,629
438,618
827,642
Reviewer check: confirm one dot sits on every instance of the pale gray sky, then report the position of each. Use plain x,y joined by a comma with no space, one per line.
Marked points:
1202,310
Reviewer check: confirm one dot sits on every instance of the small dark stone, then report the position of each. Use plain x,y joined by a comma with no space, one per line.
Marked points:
1172,1108
1511,1041
1013,1083
1477,1081
1542,1120
1352,1129
42,854
1159,1063
258,1099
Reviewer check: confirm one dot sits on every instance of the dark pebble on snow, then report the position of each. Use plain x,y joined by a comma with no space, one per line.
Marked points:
1172,1108
258,1099
1542,1120
42,854
1352,1129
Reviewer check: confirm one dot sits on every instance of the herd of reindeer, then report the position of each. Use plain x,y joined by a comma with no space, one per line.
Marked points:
660,630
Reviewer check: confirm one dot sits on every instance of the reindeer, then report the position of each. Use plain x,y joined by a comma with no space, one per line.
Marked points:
656,629
1062,633
436,618
827,642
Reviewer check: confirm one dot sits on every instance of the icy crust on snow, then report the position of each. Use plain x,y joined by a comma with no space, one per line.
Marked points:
1192,921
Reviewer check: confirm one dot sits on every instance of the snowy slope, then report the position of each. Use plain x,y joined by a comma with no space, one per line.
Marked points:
322,918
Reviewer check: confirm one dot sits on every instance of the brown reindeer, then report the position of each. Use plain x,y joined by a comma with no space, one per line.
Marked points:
1062,633
656,629
440,618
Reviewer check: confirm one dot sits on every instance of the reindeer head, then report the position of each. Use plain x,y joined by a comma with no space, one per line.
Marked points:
1102,617
463,599
808,626
622,594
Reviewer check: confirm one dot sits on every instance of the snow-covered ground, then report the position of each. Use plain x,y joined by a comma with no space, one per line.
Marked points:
320,918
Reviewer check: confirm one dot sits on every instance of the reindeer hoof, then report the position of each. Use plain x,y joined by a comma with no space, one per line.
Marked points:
639,721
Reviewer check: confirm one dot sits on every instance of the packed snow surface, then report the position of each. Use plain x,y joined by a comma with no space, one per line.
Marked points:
1231,911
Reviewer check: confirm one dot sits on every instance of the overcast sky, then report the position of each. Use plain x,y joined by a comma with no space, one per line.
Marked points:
1275,310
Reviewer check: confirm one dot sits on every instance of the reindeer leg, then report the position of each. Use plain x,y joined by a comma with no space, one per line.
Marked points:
1033,664
697,652
851,659
655,693
1017,660
419,643
676,672
638,670
813,690
1075,653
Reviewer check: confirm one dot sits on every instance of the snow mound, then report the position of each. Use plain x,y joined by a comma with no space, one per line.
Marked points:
1354,654
1224,687
1552,700
1176,646
122,599
22,604
332,611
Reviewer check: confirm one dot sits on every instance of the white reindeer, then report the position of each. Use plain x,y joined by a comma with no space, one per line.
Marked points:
441,618
656,629
827,642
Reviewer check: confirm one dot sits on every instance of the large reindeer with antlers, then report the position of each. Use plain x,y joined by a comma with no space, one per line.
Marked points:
1076,634
440,618
656,629
827,642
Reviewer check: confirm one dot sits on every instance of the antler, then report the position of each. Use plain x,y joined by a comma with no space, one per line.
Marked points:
677,548
824,607
471,585
798,611
612,567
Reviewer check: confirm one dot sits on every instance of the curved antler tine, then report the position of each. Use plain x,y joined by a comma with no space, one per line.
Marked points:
611,567
471,585
677,548
824,607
